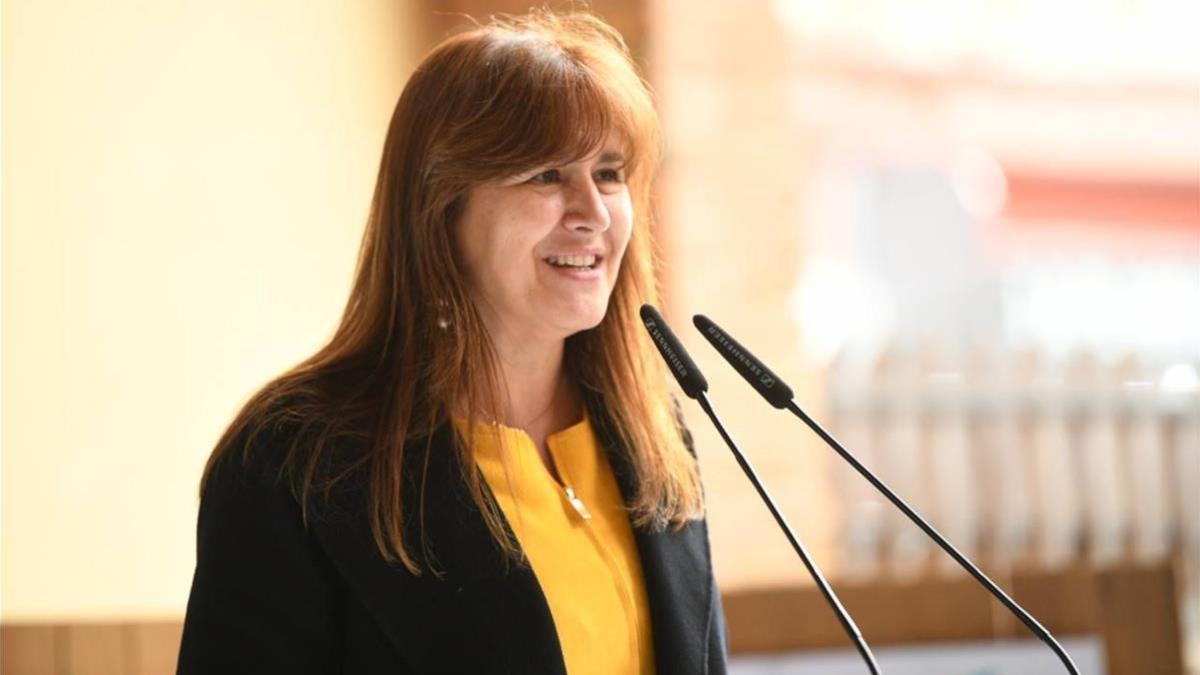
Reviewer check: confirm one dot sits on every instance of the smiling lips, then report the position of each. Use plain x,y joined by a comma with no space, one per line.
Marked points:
579,262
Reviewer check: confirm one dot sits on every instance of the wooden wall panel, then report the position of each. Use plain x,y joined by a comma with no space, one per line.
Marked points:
1137,638
96,649
90,648
28,650
1132,609
1066,600
155,647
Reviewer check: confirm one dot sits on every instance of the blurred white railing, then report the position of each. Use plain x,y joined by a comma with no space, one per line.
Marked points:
1018,459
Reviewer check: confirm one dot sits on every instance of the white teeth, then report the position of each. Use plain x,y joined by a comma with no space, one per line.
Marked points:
572,260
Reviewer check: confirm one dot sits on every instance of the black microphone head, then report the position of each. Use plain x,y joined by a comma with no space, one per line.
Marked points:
678,361
758,375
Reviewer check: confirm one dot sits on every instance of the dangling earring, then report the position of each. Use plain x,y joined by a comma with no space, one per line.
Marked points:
443,318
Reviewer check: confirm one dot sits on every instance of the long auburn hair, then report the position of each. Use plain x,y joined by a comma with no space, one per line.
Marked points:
490,102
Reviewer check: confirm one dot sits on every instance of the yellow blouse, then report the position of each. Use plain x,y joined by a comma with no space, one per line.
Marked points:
579,542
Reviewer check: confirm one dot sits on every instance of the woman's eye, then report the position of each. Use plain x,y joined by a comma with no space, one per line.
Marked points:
611,175
547,176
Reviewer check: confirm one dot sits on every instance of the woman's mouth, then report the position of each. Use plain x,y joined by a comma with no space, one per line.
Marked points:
585,267
576,262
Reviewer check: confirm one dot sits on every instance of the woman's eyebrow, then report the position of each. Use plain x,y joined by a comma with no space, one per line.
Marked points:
612,156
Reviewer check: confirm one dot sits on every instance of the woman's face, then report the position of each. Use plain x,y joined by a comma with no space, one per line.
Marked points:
543,248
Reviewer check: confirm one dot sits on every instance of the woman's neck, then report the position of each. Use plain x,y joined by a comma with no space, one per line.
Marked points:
538,396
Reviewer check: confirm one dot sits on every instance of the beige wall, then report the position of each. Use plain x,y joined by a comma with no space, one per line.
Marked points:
184,188
732,199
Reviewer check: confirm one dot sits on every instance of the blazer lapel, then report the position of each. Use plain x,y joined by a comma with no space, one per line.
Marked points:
677,570
480,614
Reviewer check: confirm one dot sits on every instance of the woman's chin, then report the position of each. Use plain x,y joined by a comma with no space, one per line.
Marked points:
581,319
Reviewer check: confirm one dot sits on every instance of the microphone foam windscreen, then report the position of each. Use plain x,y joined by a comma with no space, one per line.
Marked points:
678,361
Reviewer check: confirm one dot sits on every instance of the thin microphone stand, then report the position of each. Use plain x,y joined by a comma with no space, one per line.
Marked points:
843,616
1027,619
779,395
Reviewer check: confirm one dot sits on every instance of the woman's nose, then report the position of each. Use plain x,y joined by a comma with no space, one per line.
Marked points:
586,208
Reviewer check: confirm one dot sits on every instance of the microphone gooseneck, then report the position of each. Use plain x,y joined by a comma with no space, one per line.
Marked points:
748,365
695,386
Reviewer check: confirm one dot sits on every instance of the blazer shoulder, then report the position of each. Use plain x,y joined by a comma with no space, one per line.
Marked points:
276,455
256,561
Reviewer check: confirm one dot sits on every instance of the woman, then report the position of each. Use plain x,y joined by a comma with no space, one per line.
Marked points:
482,472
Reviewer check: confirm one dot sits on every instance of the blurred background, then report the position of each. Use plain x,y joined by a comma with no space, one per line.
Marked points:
966,233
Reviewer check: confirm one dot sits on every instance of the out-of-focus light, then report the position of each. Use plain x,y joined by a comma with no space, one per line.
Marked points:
1180,378
1103,43
979,184
1047,381
836,305
1106,306
944,378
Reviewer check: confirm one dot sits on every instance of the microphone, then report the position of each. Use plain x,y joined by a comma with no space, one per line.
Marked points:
765,382
694,385
774,390
677,358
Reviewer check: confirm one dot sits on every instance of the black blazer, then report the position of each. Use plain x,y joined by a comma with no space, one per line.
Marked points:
270,596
